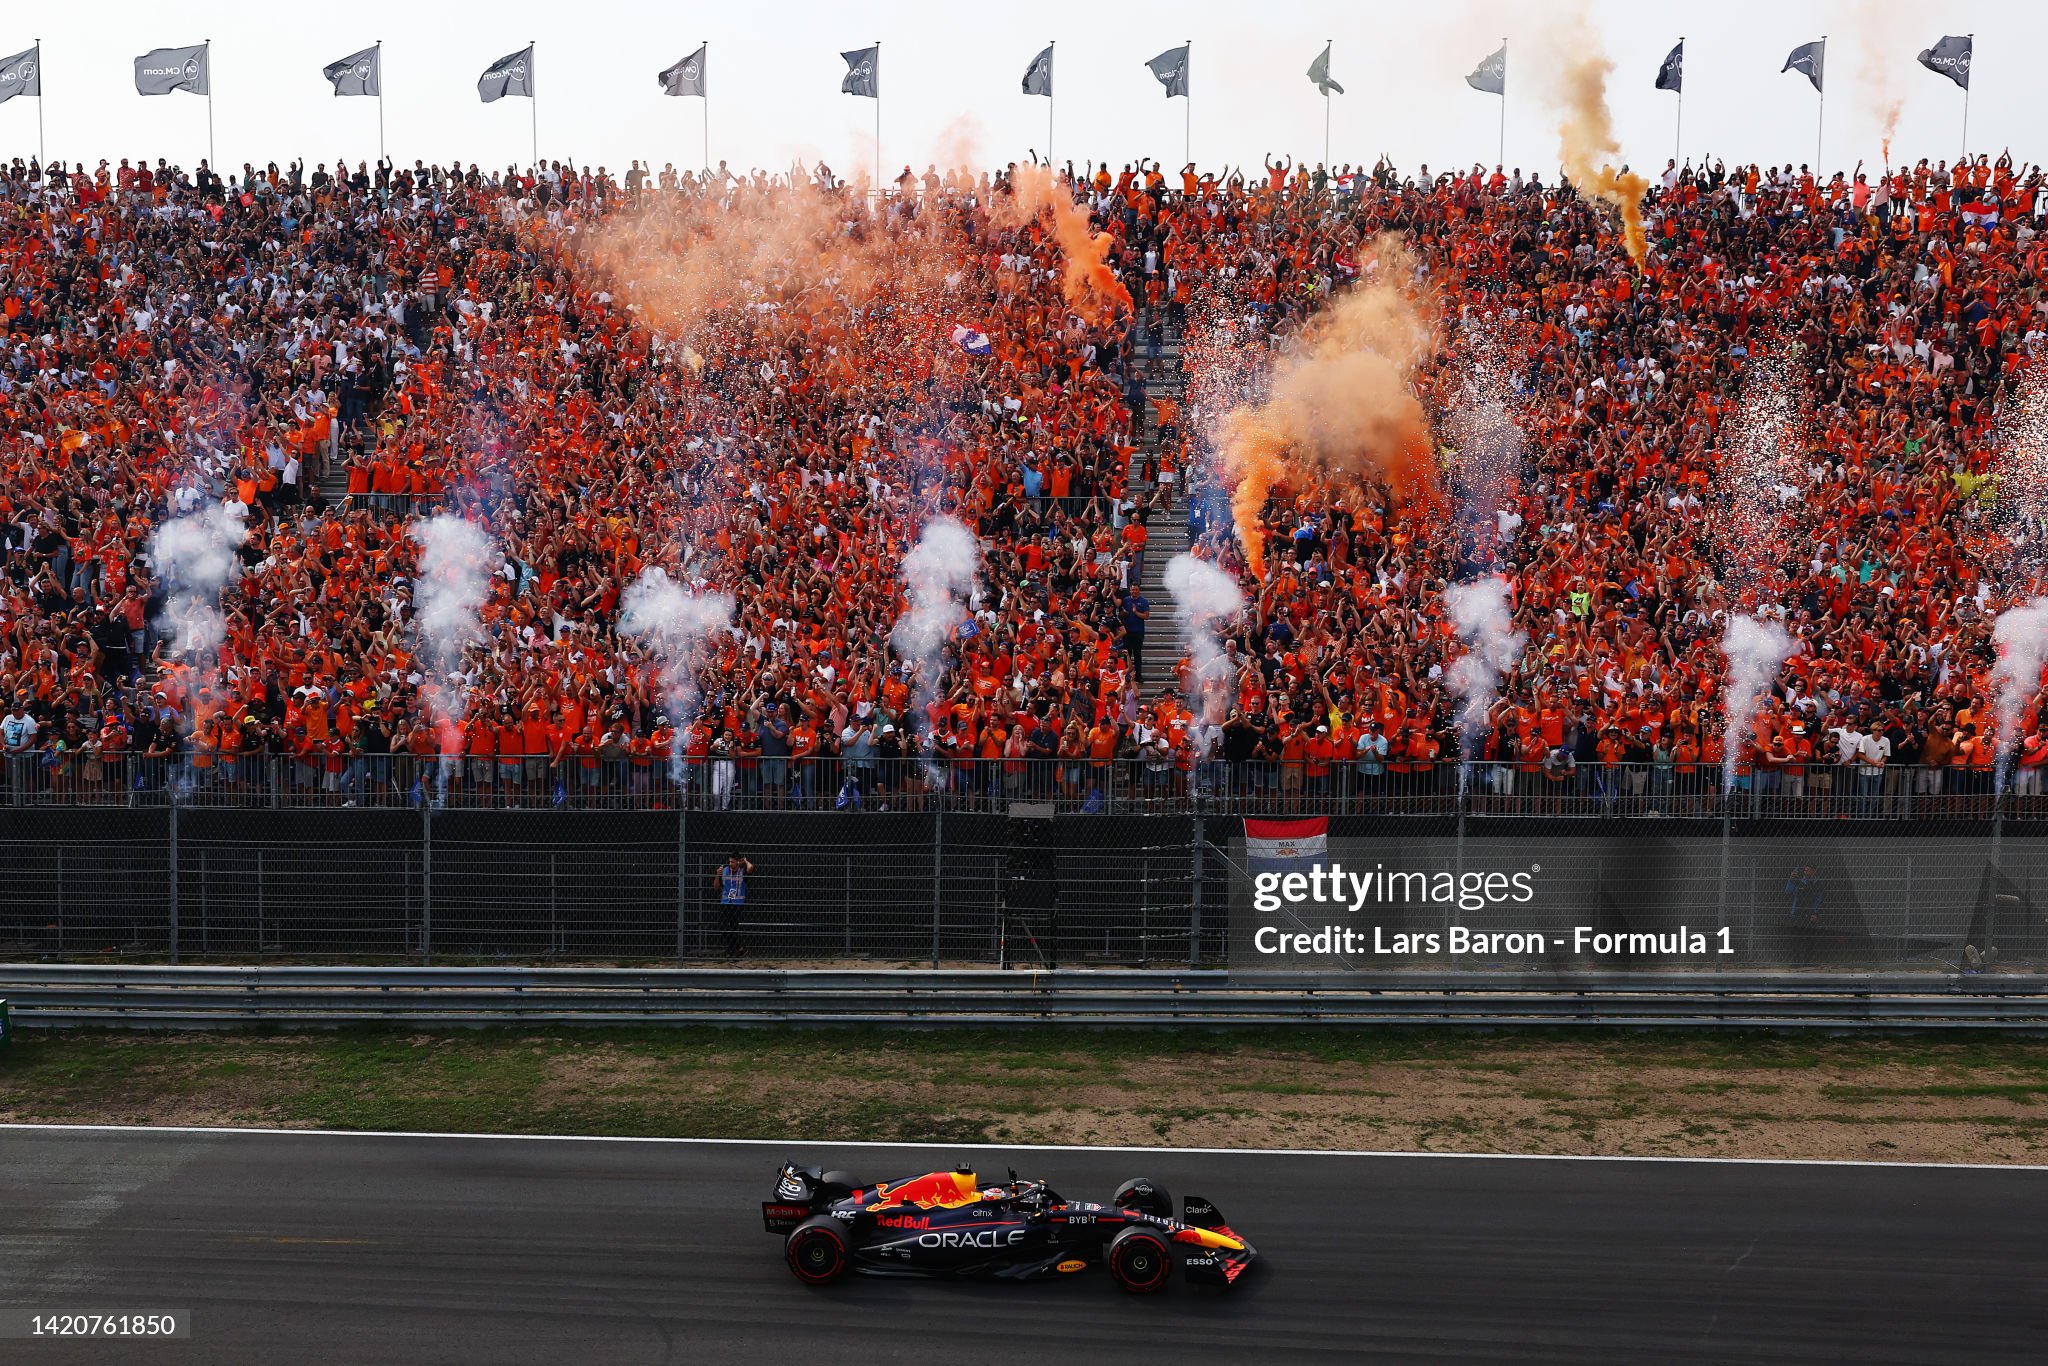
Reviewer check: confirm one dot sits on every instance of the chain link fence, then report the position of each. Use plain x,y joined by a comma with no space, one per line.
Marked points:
1027,885
580,781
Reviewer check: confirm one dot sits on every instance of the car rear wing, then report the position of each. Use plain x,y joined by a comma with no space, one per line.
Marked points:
780,1216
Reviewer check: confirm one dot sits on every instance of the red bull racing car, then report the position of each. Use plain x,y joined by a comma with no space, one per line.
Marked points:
955,1224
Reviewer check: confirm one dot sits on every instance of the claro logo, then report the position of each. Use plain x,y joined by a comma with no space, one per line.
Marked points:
980,1237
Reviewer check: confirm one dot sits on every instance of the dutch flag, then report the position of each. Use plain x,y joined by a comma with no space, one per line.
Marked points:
972,340
1285,846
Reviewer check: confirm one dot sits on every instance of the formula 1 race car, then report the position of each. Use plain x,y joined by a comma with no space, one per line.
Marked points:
954,1224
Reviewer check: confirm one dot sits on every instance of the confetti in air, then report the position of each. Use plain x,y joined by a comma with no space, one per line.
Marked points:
2020,635
1758,462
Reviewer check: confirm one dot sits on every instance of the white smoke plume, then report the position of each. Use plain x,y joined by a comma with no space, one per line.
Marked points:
2020,638
1755,649
938,579
1480,613
1204,597
194,555
454,581
676,623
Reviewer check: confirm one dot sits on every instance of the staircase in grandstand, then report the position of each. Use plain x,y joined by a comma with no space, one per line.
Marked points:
1168,528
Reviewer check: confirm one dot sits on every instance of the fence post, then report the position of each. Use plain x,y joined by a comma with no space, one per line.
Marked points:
1195,911
848,904
171,882
682,867
426,883
60,901
259,903
938,872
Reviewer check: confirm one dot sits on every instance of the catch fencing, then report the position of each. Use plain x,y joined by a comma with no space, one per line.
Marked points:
1026,886
590,781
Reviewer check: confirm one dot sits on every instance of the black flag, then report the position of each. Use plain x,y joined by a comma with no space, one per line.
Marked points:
1808,59
685,77
359,74
1319,72
511,74
863,72
1671,75
1038,76
20,75
1491,75
1171,68
1951,58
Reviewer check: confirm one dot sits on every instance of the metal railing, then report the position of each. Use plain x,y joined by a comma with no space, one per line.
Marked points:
583,779
160,997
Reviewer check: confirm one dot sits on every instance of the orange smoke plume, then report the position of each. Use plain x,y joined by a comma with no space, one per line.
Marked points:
1589,148
1341,400
1091,287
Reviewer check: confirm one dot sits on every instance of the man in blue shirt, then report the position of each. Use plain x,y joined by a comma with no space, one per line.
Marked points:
730,882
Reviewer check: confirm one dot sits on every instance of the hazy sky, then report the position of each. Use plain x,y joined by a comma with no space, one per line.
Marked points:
950,75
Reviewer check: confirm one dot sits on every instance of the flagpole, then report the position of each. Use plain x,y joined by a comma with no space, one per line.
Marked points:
880,194
1501,152
42,157
1328,44
1187,128
1821,119
380,100
1678,130
1965,105
533,106
703,72
1052,65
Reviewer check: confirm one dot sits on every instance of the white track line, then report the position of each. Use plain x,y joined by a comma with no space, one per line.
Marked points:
956,1148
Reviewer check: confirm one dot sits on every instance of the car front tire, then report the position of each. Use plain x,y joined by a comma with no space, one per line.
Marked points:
1140,1260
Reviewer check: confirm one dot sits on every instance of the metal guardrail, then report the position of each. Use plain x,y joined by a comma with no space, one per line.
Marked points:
156,997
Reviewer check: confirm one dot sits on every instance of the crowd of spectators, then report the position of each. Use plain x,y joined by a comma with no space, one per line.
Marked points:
443,338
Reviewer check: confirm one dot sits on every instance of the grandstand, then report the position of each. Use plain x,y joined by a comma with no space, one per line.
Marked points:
755,383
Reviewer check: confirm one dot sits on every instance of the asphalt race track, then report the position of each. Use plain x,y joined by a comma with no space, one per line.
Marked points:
387,1249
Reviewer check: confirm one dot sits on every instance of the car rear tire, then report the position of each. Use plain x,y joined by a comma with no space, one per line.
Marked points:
817,1251
1140,1260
